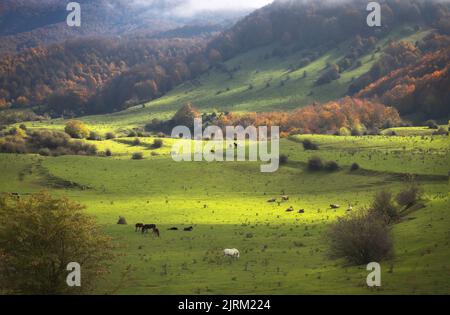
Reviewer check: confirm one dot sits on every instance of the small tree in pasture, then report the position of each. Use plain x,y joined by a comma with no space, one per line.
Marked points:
77,129
40,236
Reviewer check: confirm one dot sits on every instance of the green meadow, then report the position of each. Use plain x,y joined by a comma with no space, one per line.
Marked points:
226,203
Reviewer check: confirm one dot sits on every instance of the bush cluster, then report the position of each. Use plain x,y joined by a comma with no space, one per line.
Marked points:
316,164
365,236
46,143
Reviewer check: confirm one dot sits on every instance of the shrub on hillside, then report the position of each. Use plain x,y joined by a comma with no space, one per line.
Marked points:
46,142
94,136
136,142
331,166
77,129
283,159
315,164
345,132
360,238
12,144
383,205
157,143
137,156
354,167
331,74
409,196
185,116
359,130
110,136
108,152
309,145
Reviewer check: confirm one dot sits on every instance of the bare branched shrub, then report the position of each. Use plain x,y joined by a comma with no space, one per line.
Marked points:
409,196
383,205
360,238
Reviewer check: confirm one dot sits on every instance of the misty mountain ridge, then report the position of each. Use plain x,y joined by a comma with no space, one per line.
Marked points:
27,24
327,46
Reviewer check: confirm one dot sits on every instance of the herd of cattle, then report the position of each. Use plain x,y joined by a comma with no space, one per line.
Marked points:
231,252
285,198
144,228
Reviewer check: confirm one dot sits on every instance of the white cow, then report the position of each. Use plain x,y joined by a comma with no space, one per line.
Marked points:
233,252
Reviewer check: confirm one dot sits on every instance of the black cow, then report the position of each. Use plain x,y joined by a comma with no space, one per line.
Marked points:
173,229
189,229
147,227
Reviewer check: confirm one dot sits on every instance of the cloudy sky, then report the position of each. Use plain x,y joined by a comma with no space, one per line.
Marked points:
200,5
191,7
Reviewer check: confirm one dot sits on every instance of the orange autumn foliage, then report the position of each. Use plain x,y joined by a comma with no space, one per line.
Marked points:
327,118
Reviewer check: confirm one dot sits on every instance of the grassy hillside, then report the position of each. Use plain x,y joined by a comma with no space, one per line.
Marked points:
281,252
216,90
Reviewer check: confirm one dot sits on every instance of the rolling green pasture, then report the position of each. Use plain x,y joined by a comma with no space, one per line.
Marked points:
226,202
281,252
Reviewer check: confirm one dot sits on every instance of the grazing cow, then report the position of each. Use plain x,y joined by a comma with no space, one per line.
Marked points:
334,206
156,232
301,211
233,252
285,198
290,209
147,227
138,227
272,200
188,229
173,229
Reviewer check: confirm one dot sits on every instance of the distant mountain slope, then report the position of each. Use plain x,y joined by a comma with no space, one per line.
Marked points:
422,86
97,75
259,80
311,23
285,55
27,24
